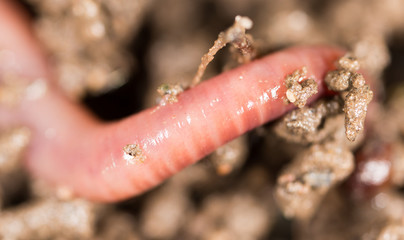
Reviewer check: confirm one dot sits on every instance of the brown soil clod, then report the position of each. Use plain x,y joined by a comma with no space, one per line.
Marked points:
49,219
356,103
133,153
303,184
169,93
13,142
348,62
338,80
308,125
392,231
299,87
354,91
230,156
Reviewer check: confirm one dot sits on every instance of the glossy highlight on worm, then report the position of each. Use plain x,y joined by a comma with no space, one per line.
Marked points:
72,149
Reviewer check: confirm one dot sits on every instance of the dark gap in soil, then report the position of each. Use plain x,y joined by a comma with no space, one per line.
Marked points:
393,74
30,10
18,192
282,230
129,98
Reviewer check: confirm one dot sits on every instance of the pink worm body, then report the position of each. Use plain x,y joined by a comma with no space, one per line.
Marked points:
87,157
72,149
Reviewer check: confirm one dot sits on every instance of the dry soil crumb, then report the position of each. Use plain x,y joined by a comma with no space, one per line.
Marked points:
355,108
348,62
119,226
169,93
309,177
48,219
392,232
338,80
87,41
230,156
307,125
301,123
299,87
133,153
12,145
353,90
373,52
234,215
164,215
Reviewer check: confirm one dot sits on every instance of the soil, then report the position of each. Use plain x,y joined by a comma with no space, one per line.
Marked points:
310,175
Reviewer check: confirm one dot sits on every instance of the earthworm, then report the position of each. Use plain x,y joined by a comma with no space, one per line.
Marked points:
72,149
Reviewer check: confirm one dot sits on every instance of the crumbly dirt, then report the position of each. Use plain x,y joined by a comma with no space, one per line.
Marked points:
165,214
338,80
98,45
303,184
87,40
299,87
391,232
133,153
119,226
169,93
355,108
230,157
309,124
49,219
354,91
12,145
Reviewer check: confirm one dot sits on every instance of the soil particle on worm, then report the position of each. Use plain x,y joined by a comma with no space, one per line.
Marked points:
133,153
169,93
299,87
